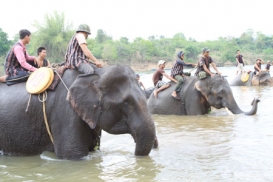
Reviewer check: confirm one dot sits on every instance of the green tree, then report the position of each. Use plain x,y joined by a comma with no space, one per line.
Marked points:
247,37
102,36
54,34
124,40
143,49
4,43
191,52
109,52
123,50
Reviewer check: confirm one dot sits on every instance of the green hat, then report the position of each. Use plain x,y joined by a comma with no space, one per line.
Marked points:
205,50
83,28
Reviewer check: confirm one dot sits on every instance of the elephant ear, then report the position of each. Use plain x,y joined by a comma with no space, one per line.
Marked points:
202,86
84,97
265,78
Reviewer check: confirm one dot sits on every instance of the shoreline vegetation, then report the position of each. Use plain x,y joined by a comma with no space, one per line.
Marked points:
55,32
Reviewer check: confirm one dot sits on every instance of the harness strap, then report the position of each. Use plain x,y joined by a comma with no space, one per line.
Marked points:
45,118
26,111
55,70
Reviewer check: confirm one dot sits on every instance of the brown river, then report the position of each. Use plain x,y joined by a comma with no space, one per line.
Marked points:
213,147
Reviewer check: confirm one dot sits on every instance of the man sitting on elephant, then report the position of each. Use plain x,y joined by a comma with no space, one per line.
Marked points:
203,69
178,74
16,65
267,67
78,54
42,61
258,67
157,78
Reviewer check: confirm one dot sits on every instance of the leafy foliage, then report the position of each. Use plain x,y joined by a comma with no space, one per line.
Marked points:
54,33
4,43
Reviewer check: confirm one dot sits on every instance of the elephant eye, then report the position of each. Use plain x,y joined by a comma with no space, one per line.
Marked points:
220,93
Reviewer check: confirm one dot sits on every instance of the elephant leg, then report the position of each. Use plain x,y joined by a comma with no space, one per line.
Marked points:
74,143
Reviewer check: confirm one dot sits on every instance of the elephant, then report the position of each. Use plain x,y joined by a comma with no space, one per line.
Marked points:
263,79
197,96
109,100
148,92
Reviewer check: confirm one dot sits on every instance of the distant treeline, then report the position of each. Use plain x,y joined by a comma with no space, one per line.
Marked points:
54,33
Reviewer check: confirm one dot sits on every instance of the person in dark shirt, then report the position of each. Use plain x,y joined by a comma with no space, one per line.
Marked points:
178,74
257,67
204,63
267,67
240,63
157,78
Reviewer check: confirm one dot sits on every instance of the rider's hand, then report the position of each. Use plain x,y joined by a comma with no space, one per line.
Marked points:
99,65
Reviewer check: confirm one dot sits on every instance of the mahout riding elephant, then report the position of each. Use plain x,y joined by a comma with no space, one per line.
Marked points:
196,98
110,100
263,79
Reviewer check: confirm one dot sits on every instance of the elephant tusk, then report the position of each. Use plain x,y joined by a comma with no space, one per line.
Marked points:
229,112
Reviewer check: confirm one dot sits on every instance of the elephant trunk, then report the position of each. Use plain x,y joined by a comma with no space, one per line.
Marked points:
234,108
144,135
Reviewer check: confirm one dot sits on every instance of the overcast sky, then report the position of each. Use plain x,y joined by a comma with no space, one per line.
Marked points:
199,19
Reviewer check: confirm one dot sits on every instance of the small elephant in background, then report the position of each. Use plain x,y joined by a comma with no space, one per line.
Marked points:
262,79
197,96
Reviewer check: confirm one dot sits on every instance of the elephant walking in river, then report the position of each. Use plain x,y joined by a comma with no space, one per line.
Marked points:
263,79
196,98
110,100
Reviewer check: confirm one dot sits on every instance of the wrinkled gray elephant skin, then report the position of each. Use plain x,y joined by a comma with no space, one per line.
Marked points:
148,92
263,79
196,98
110,100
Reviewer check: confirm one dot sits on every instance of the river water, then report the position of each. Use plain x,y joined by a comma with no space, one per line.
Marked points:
214,147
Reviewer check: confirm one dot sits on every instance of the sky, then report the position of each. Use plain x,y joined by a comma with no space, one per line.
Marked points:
198,19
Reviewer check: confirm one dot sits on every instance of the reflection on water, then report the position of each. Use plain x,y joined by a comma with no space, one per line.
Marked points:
214,147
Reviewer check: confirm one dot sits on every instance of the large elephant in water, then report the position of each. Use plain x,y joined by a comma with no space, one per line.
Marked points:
196,98
110,100
263,79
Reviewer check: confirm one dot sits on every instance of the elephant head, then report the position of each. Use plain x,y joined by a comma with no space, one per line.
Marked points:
218,93
113,101
263,79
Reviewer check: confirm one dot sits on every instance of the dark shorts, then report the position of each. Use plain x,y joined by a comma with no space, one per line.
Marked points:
21,76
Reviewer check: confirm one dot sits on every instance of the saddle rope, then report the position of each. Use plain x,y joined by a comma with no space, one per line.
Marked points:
55,70
45,117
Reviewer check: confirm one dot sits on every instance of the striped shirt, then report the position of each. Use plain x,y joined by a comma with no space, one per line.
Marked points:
16,60
178,67
74,55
